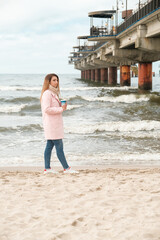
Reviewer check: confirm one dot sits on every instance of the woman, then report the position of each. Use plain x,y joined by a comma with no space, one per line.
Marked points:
53,122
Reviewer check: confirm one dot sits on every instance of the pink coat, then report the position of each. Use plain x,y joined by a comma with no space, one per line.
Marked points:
52,116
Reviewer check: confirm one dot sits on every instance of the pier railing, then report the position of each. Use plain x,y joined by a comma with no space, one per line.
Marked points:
142,12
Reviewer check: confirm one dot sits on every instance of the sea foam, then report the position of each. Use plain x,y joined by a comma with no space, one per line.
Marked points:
39,88
125,88
122,127
115,158
70,107
11,108
19,88
132,98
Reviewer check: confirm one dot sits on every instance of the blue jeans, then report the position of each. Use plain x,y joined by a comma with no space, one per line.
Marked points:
59,150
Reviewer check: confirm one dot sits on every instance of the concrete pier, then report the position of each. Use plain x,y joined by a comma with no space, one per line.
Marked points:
92,75
112,80
104,75
135,41
145,76
97,75
125,78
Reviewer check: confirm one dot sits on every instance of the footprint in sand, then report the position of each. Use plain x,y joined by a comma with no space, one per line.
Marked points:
76,222
63,236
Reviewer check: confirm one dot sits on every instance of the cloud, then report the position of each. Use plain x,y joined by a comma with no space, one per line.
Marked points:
28,15
37,36
20,15
34,52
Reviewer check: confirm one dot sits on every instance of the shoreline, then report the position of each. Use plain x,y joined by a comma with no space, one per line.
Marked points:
83,167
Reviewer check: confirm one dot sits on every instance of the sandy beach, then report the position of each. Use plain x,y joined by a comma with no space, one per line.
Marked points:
113,203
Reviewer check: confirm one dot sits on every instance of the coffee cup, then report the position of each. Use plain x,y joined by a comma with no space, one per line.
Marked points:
63,102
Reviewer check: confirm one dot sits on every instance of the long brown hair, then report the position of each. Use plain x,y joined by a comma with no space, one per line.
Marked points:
47,80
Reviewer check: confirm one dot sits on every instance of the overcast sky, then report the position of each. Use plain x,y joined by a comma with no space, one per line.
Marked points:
37,36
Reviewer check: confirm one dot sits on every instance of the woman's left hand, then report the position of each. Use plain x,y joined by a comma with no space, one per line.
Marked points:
64,106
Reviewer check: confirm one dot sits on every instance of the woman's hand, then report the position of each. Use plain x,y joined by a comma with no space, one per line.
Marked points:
64,106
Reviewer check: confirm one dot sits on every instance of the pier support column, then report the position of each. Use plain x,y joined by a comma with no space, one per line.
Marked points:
125,78
89,74
145,76
104,75
82,74
88,78
97,75
112,80
92,75
85,74
132,74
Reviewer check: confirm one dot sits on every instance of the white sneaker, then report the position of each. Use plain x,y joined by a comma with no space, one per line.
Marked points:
50,171
69,170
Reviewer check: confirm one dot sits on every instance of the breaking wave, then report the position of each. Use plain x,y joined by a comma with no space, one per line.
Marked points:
11,108
26,128
19,88
132,98
122,127
22,88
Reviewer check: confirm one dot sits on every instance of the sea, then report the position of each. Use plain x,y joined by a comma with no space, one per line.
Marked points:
103,125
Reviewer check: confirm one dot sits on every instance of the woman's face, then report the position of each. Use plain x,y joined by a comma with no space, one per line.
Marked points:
54,82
